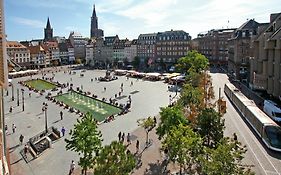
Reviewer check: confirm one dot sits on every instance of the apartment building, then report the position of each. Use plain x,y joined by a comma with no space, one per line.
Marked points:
18,53
170,46
265,66
146,47
239,51
214,45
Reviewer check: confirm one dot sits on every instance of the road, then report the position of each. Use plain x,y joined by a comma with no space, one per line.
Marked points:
265,161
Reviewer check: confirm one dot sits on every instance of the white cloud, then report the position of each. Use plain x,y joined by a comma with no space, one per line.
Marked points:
29,22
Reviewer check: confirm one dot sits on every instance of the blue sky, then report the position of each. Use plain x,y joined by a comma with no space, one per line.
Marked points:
26,19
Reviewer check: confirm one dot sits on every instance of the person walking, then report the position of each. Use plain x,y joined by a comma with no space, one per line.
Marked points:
61,115
14,128
72,167
123,137
21,139
25,150
119,136
63,131
6,129
11,109
137,146
128,139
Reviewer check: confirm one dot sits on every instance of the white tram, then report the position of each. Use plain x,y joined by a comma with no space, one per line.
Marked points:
265,127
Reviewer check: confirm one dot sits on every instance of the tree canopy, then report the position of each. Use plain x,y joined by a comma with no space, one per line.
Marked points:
148,124
211,126
184,146
225,159
193,61
86,140
114,159
169,117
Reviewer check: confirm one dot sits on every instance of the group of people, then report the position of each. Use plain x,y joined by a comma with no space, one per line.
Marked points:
121,138
13,128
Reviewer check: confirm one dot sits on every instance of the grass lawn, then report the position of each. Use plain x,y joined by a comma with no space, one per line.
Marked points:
40,84
98,109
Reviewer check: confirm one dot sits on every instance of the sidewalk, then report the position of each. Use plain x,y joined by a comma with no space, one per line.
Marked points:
151,159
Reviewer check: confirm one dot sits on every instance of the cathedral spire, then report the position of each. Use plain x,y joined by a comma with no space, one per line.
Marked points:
48,26
48,31
94,12
95,31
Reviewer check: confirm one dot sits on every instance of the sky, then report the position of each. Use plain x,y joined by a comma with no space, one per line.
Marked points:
26,19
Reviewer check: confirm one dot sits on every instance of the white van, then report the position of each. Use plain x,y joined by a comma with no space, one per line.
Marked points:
271,109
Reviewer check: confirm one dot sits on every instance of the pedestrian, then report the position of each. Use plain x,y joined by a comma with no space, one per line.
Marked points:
119,136
11,109
115,95
132,83
21,139
29,94
155,120
123,137
25,150
72,167
63,131
234,137
121,85
137,146
128,139
91,80
104,89
61,115
6,129
14,128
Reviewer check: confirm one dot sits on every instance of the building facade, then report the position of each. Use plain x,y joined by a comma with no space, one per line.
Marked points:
39,58
18,53
265,66
89,52
130,51
79,44
52,48
146,47
214,45
119,52
239,51
95,31
170,46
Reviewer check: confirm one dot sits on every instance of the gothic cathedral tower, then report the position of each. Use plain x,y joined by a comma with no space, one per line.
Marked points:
48,31
95,31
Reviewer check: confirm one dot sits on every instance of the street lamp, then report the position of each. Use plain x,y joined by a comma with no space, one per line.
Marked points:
13,97
22,94
18,97
45,107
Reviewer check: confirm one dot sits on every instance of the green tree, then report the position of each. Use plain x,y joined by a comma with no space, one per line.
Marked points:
192,61
210,126
114,159
184,147
86,140
148,124
136,62
225,159
169,117
191,95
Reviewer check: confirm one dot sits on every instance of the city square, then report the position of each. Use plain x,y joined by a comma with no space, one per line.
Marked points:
146,96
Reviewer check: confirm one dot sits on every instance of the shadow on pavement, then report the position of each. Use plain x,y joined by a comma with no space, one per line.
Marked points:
16,161
156,168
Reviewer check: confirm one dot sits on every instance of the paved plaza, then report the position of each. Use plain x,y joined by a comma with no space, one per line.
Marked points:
147,97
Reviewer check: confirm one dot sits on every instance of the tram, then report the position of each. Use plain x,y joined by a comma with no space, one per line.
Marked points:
264,126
